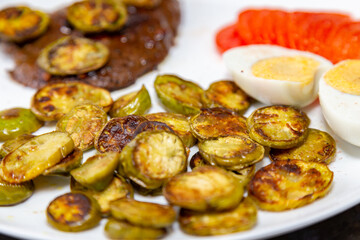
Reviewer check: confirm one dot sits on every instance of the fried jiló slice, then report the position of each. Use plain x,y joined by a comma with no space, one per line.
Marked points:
116,229
12,194
35,156
117,133
63,168
244,175
11,145
73,55
55,100
134,103
319,146
143,3
21,23
118,188
144,214
228,95
152,158
206,188
177,122
241,218
152,126
217,122
73,212
278,126
17,121
97,171
284,185
178,95
231,152
97,15
83,122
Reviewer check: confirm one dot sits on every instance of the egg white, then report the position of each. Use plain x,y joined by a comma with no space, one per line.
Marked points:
240,60
341,111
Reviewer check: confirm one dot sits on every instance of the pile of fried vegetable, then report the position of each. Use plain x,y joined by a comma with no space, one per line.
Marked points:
148,154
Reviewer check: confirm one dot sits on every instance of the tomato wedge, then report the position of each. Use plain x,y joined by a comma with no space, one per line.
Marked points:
227,38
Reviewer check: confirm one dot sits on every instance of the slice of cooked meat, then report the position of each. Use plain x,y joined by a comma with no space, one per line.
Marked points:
135,50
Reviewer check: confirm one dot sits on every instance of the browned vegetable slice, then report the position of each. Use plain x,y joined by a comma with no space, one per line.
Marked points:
17,121
143,3
244,175
290,184
11,145
73,212
241,218
278,126
153,157
98,171
118,188
228,95
35,156
117,133
178,95
73,55
97,15
231,152
82,123
55,100
144,214
147,192
177,122
116,229
205,188
22,23
217,122
11,194
152,126
318,146
136,103
70,162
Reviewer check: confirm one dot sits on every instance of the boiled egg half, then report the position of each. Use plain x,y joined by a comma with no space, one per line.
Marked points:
276,75
339,94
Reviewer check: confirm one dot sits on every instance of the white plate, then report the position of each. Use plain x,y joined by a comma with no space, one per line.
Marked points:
195,58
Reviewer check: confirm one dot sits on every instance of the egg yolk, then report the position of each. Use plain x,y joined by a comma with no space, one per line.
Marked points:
289,68
345,77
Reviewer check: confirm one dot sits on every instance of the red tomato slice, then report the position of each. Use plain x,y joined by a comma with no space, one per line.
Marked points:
227,38
243,26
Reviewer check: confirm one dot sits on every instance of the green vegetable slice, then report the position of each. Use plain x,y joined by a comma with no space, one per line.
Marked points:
228,95
21,23
241,218
17,121
83,122
98,171
55,100
278,126
153,157
178,95
116,229
231,152
73,55
35,156
70,162
136,103
318,146
12,194
177,122
118,188
217,122
205,188
144,214
97,15
73,212
117,133
11,145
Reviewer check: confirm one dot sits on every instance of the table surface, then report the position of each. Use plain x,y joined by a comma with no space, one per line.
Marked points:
344,226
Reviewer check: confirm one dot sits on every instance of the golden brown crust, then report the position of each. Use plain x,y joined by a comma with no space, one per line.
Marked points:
284,185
